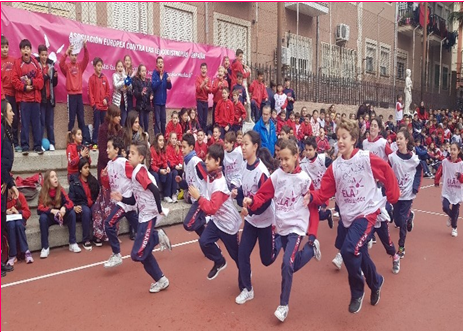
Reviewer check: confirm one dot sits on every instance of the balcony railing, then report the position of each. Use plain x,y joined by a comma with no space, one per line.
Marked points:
407,16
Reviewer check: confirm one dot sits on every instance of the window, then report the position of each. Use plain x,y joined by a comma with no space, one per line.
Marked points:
300,49
445,78
178,21
232,33
128,16
446,17
402,64
385,60
338,61
439,10
436,75
63,9
370,56
349,59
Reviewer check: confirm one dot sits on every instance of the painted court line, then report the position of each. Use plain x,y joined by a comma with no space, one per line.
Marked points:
41,277
432,213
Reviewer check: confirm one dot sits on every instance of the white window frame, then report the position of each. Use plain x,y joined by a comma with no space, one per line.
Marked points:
149,22
233,20
386,49
179,6
402,56
299,45
370,43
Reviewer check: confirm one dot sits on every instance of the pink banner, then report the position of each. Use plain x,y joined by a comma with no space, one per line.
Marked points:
182,60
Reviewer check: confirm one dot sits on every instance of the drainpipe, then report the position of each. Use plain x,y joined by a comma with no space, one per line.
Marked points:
440,65
413,49
298,18
206,22
427,60
256,29
330,42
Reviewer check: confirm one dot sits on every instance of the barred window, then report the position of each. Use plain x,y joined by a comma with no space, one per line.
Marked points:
63,9
128,16
349,59
370,56
385,60
300,49
445,77
402,64
178,21
232,33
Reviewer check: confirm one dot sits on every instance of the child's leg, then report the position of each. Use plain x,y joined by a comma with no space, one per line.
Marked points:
21,236
455,215
173,183
96,126
43,111
111,222
269,243
355,254
446,207
195,219
207,243
45,221
303,256
385,238
145,242
340,235
124,114
248,241
72,110
86,220
133,219
156,119
231,242
49,122
36,130
25,121
163,118
401,215
70,220
12,239
144,117
291,244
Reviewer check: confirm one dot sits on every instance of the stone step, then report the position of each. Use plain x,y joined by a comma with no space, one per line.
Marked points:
59,236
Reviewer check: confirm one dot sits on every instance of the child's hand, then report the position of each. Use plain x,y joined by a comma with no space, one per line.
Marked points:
29,88
178,167
244,212
168,170
85,43
168,79
105,102
63,211
194,192
78,209
70,48
163,171
116,196
247,202
104,172
234,193
178,179
307,199
151,97
55,75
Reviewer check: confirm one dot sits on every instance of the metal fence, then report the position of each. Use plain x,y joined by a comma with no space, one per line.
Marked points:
321,88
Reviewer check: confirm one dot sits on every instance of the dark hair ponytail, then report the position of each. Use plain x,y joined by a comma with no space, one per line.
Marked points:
265,156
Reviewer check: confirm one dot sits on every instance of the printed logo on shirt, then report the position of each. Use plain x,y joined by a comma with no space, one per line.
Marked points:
453,182
403,181
74,70
286,202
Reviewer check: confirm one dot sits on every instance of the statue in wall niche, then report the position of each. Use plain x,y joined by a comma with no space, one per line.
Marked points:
408,91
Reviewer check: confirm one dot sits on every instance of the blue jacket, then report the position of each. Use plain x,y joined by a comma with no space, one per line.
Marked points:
268,138
159,88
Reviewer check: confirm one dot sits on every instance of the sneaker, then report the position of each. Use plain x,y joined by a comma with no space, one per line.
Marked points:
52,147
18,149
11,261
281,312
449,222
87,246
94,147
168,199
356,304
165,242
98,242
74,248
401,252
29,259
160,285
335,214
396,264
216,269
454,232
25,152
44,253
6,268
316,250
370,243
338,261
330,221
174,197
244,296
43,149
39,151
376,295
410,221
113,261
374,239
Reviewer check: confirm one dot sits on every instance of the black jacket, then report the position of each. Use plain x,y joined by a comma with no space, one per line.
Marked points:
142,101
51,80
8,157
77,193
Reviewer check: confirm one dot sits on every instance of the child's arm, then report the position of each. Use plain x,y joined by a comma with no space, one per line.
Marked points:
107,91
55,77
16,78
261,182
156,82
62,63
137,88
143,178
417,179
66,202
264,194
91,92
327,188
384,173
25,211
438,176
73,155
117,84
243,113
209,207
155,158
85,61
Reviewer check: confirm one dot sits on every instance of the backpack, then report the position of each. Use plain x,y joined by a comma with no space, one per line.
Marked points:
30,186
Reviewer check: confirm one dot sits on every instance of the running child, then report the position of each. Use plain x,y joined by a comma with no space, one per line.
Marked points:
233,161
375,143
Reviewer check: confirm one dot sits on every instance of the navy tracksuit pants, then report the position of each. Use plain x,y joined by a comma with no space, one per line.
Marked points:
30,115
76,108
111,222
17,234
453,212
401,215
99,118
159,119
195,219
385,238
202,111
47,114
46,220
86,219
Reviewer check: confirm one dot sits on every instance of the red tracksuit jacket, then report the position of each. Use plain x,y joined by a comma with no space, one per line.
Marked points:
33,71
73,73
99,90
224,113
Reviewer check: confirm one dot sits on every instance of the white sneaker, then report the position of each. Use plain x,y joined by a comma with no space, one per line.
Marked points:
42,147
244,296
52,147
160,285
115,260
335,214
44,253
281,312
174,197
449,222
370,243
338,261
74,248
165,242
168,199
454,232
316,250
